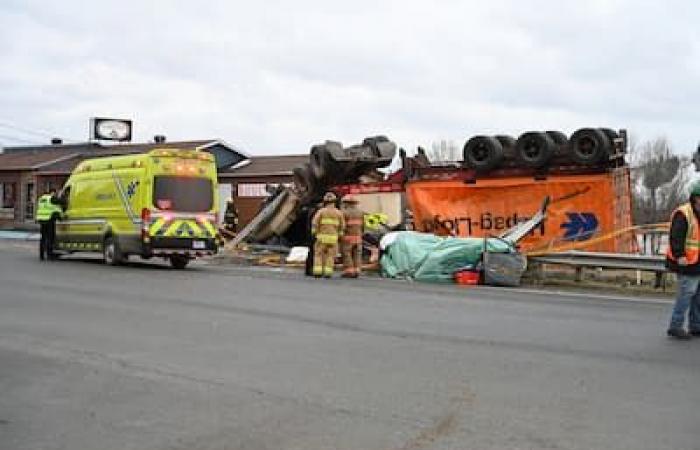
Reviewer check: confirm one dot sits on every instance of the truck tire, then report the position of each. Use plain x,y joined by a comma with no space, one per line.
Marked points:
110,252
373,141
589,146
561,142
179,262
382,147
482,153
534,149
558,137
320,159
508,144
303,178
612,135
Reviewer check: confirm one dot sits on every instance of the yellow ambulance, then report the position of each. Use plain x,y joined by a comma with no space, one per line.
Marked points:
163,203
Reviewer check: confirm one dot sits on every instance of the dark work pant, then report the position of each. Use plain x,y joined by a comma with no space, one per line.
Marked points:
308,270
48,237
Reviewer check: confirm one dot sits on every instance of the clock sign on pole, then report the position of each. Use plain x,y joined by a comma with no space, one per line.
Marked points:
104,129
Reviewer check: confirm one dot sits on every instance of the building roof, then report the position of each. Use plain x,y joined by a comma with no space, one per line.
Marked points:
63,158
260,166
83,147
33,160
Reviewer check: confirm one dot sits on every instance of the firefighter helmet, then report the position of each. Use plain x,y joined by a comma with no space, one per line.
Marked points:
329,198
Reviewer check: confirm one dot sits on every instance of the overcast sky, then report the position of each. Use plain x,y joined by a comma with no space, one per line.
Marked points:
279,76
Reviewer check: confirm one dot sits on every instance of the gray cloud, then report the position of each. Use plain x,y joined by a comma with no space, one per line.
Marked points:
279,76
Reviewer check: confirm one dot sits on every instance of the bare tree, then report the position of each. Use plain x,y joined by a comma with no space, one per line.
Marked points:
444,151
660,181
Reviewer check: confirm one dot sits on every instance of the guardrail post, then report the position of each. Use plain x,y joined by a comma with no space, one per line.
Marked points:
660,281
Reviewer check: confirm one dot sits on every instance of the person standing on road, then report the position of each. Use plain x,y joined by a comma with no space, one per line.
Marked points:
683,258
352,238
47,212
327,226
231,217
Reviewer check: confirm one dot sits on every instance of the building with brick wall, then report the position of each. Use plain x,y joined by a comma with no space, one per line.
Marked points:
27,172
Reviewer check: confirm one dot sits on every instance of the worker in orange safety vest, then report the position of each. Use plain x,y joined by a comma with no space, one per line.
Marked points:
352,238
683,258
327,226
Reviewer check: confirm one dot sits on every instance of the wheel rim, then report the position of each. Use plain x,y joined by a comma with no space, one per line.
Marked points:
109,252
480,153
531,150
587,147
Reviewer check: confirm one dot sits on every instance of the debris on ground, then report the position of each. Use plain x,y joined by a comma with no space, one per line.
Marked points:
431,258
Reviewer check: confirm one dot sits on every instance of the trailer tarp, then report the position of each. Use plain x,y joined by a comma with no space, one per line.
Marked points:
426,257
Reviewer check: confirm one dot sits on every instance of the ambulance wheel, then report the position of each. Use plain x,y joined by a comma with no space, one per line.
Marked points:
179,262
111,253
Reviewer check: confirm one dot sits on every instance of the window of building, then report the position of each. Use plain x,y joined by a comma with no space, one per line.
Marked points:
7,201
29,202
7,195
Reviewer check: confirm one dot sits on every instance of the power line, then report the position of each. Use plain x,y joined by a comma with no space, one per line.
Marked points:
16,139
33,132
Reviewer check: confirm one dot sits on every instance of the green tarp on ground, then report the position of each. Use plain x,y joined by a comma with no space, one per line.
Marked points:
426,257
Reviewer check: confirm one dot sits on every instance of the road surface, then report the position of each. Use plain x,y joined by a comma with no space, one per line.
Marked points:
145,357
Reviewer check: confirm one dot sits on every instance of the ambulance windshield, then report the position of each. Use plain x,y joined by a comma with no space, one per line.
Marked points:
185,194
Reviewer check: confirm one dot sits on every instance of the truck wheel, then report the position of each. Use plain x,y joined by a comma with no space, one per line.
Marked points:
303,178
558,137
111,253
561,142
610,133
589,146
382,147
534,149
320,159
508,144
179,262
372,142
482,153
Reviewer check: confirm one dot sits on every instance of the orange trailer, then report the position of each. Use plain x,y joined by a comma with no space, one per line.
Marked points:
583,208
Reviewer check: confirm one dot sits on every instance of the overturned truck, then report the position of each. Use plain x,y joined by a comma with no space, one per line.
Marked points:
285,216
495,185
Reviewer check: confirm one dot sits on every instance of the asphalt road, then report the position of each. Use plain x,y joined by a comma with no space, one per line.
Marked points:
144,357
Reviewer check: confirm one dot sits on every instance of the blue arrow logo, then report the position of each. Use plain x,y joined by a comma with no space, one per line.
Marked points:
131,188
580,227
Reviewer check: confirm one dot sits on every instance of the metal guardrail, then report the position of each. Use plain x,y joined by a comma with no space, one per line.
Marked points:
650,263
581,260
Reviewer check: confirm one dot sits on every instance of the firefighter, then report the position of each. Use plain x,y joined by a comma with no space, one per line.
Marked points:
231,217
352,238
47,212
327,226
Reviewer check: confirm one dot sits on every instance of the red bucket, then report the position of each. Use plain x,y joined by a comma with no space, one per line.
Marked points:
467,277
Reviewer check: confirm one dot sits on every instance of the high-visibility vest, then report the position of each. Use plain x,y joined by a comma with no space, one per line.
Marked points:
354,223
45,209
327,225
692,237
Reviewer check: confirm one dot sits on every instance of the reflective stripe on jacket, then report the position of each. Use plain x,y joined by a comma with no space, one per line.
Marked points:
328,223
354,221
692,236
